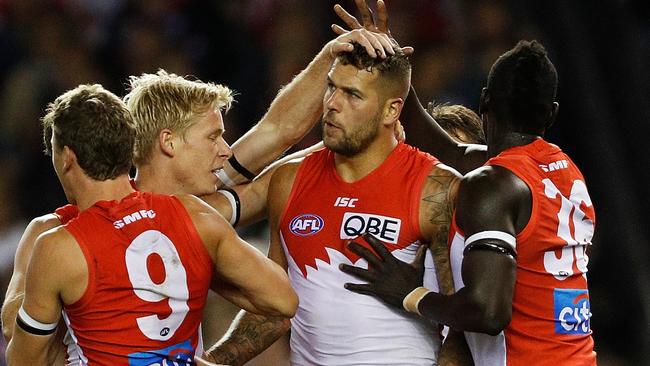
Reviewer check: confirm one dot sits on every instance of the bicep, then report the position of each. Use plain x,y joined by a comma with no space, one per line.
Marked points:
41,302
242,265
16,288
43,284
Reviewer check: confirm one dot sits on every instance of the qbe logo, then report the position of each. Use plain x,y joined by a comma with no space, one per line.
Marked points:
305,225
572,311
383,227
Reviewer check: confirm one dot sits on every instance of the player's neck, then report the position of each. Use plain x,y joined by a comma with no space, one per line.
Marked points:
510,139
149,178
354,168
91,191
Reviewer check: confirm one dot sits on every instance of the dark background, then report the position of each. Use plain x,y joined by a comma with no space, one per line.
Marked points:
601,50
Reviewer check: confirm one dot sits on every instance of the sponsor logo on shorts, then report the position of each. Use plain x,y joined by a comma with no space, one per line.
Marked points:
572,311
383,227
306,225
178,354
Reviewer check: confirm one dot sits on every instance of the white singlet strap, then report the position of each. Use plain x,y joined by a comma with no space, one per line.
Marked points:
31,325
500,235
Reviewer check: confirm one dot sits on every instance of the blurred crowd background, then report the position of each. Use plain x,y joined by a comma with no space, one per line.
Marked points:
601,50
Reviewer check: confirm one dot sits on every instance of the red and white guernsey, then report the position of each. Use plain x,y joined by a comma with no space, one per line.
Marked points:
551,313
148,277
334,326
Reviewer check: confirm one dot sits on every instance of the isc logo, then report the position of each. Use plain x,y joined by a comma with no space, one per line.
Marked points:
345,202
383,227
305,225
572,311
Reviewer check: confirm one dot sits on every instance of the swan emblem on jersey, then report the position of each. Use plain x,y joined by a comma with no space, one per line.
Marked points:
306,225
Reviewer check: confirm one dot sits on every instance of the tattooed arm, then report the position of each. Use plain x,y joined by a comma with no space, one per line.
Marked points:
248,335
436,210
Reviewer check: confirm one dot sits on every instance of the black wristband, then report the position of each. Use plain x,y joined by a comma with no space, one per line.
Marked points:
482,245
240,169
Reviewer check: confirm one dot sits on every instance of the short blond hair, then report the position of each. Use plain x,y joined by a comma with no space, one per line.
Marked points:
163,100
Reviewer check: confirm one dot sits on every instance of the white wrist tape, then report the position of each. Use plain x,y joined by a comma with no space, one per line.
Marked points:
235,205
412,300
223,177
499,235
31,325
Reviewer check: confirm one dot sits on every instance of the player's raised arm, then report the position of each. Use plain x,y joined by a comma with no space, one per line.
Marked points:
435,140
296,108
245,204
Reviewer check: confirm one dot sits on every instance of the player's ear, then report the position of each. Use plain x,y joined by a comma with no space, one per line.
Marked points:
166,142
69,158
553,114
393,110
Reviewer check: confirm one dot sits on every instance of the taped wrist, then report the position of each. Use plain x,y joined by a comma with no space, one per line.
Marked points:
33,326
235,204
412,300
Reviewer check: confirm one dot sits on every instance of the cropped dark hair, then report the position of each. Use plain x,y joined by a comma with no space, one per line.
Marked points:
523,82
396,68
95,124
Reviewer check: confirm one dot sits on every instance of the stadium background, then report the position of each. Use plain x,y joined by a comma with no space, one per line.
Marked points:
601,50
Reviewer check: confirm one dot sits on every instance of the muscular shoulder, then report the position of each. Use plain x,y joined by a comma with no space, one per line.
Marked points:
211,226
58,257
36,227
283,178
42,224
204,217
491,194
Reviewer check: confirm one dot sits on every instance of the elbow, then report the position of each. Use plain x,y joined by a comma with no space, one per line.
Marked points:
494,320
496,323
7,326
7,332
290,305
490,315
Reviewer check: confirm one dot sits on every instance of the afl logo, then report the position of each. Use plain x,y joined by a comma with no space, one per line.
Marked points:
305,225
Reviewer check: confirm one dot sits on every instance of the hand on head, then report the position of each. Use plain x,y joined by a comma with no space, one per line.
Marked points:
380,26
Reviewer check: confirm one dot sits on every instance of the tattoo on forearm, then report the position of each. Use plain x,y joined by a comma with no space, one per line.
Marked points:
253,334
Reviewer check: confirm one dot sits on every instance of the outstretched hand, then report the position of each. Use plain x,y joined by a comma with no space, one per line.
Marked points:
388,278
380,26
